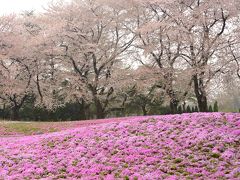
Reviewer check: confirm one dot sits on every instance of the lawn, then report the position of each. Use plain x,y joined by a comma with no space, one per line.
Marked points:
21,128
13,128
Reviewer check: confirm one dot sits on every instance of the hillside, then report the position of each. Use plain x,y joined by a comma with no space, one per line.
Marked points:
198,145
21,128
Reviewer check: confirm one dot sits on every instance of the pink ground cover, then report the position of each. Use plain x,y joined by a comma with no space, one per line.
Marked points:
195,146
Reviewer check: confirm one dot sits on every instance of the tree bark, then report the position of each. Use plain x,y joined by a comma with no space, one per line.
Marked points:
15,113
200,94
184,106
100,112
83,108
17,106
173,105
202,103
144,110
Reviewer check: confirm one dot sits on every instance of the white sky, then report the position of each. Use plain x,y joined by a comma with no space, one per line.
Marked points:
18,6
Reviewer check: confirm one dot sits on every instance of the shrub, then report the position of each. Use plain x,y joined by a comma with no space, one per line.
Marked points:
188,109
196,109
193,109
180,111
210,109
215,106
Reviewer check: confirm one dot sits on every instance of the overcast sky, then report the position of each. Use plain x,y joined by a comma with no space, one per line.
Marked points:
17,6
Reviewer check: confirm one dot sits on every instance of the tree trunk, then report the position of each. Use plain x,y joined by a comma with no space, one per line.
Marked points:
200,93
144,110
83,109
184,106
173,98
173,105
100,112
4,112
15,113
202,103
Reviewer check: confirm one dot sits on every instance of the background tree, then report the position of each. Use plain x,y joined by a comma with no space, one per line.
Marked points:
93,42
206,31
15,66
160,45
215,106
188,109
210,109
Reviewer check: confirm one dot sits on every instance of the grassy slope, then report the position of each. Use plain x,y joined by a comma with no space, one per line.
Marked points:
19,128
24,128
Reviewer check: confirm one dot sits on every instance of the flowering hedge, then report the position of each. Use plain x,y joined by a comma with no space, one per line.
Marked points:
199,145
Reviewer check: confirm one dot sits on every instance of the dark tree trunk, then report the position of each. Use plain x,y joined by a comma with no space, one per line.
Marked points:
15,113
100,108
200,93
173,105
4,114
184,106
100,112
173,98
202,103
83,108
144,110
17,106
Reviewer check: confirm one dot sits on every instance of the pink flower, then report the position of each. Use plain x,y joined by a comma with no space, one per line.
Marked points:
110,177
136,147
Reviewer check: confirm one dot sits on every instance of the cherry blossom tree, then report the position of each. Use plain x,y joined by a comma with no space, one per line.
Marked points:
206,28
159,49
93,41
25,63
197,31
15,65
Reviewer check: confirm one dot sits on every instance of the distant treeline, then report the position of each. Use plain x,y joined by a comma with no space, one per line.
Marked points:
75,111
